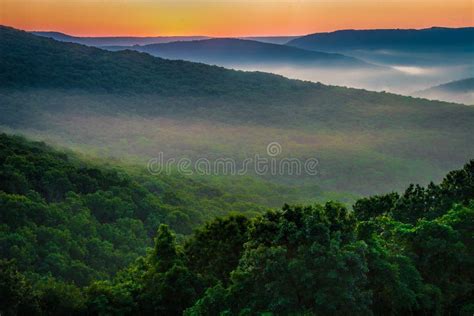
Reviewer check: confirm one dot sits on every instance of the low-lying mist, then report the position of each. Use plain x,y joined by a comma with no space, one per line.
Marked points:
400,79
365,142
401,72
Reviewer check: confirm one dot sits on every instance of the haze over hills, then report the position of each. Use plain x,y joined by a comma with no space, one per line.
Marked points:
441,39
460,90
425,58
236,176
271,39
77,239
99,41
130,105
238,52
68,65
116,40
295,63
408,60
463,86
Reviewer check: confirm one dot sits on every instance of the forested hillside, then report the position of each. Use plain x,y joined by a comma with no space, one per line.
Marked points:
30,61
231,51
67,226
80,220
130,106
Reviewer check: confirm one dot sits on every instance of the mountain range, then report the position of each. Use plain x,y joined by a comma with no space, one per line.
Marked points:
389,39
135,40
117,217
130,105
229,51
463,86
406,60
116,40
460,90
433,47
33,61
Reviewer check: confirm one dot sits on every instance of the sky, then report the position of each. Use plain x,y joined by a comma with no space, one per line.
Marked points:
229,17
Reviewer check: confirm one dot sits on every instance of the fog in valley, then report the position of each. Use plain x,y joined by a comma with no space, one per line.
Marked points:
406,79
363,147
324,174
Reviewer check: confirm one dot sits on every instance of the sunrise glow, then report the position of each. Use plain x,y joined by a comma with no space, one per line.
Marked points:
229,18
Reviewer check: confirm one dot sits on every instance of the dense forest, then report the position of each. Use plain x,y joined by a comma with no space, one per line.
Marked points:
79,237
89,232
130,105
80,221
30,61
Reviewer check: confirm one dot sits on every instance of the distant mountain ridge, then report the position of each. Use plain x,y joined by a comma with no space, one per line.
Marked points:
324,41
224,51
461,91
131,104
116,40
33,61
270,39
463,85
424,39
146,40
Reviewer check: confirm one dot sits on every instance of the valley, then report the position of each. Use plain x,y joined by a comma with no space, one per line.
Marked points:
104,209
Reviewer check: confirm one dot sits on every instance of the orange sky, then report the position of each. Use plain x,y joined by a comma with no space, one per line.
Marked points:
229,17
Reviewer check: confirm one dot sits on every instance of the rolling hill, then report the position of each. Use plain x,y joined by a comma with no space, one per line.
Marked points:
131,106
33,61
389,39
401,67
271,39
432,47
86,238
461,91
462,86
117,40
99,41
81,220
229,51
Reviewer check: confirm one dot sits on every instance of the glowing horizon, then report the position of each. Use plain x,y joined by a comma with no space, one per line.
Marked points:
229,17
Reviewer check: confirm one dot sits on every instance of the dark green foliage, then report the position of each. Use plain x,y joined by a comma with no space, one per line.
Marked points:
319,260
169,286
444,256
59,225
374,206
16,293
108,103
165,254
77,230
81,221
215,249
158,284
39,62
418,202
299,260
59,298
